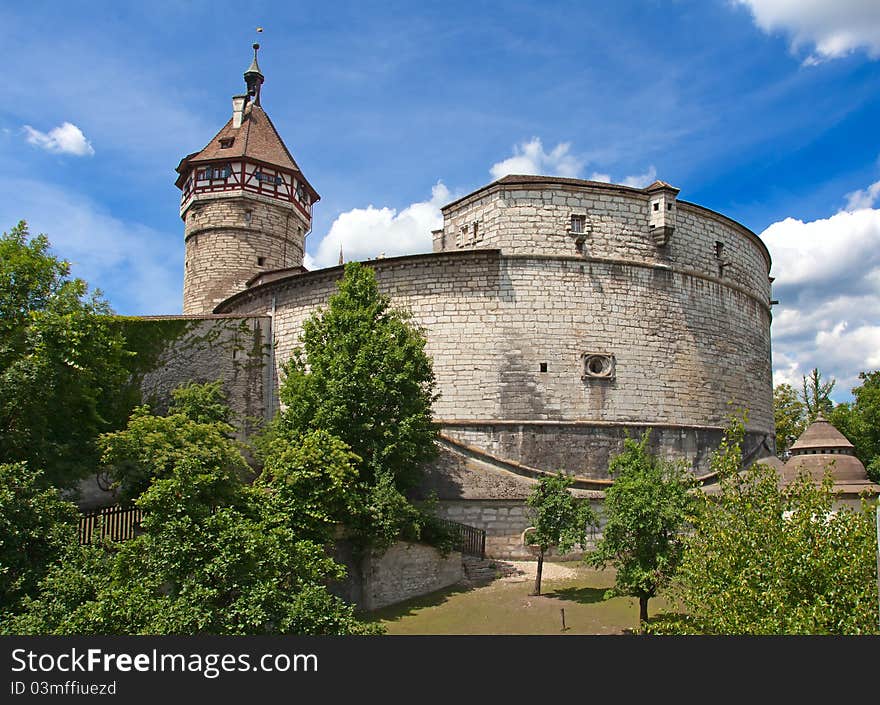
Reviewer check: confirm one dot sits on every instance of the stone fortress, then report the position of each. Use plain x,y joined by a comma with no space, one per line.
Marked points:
561,315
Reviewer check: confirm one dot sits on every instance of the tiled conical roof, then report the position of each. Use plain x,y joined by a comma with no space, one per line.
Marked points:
820,447
257,138
820,434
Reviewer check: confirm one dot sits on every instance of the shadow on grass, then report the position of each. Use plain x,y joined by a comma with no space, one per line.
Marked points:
583,595
396,612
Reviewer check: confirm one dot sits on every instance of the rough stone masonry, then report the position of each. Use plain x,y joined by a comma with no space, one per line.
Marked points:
561,316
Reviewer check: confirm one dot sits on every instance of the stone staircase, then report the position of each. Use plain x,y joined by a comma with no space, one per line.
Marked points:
478,571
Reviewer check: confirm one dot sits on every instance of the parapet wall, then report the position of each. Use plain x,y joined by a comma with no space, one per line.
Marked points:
535,217
508,335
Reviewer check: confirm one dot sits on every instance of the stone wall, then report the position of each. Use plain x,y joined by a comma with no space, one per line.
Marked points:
229,239
234,349
535,218
507,335
505,523
404,571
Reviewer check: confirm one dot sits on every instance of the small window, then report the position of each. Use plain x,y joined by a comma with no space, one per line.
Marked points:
669,206
462,235
261,261
578,223
543,367
719,249
656,205
226,142
477,236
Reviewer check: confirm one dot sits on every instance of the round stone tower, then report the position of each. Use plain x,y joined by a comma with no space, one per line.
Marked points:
245,203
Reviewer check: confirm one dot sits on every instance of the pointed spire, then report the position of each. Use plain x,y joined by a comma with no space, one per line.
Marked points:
254,78
341,261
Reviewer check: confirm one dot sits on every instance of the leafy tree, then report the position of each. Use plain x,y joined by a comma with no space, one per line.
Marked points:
61,361
363,376
646,512
559,519
769,560
313,483
860,421
202,403
790,415
36,527
215,557
816,395
151,446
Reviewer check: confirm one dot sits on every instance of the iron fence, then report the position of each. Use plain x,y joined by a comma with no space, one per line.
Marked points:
116,523
469,539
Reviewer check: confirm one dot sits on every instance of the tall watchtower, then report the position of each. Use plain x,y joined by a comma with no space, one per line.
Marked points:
245,203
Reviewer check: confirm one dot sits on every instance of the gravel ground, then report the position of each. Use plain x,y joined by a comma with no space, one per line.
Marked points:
521,571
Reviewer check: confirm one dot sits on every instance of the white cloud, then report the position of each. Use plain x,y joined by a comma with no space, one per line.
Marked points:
67,138
368,232
863,198
834,28
832,251
641,180
139,269
828,284
530,158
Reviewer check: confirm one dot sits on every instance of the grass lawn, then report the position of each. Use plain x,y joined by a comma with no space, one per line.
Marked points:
505,607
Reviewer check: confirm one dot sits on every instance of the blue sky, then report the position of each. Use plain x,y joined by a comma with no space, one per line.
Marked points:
765,110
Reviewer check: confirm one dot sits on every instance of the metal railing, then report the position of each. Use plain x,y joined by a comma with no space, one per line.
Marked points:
116,523
469,539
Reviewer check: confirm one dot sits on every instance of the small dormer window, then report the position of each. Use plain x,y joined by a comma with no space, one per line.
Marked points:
226,142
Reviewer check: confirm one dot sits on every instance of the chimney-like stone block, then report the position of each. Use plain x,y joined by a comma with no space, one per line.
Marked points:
238,103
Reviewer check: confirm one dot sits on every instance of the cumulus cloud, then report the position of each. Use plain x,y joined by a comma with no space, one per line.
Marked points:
530,158
863,198
363,233
832,28
67,138
828,285
139,269
641,180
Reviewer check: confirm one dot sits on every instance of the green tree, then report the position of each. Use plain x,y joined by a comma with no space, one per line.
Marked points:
61,361
769,560
36,528
215,557
860,421
790,415
151,446
816,395
202,403
363,376
646,512
559,519
313,483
